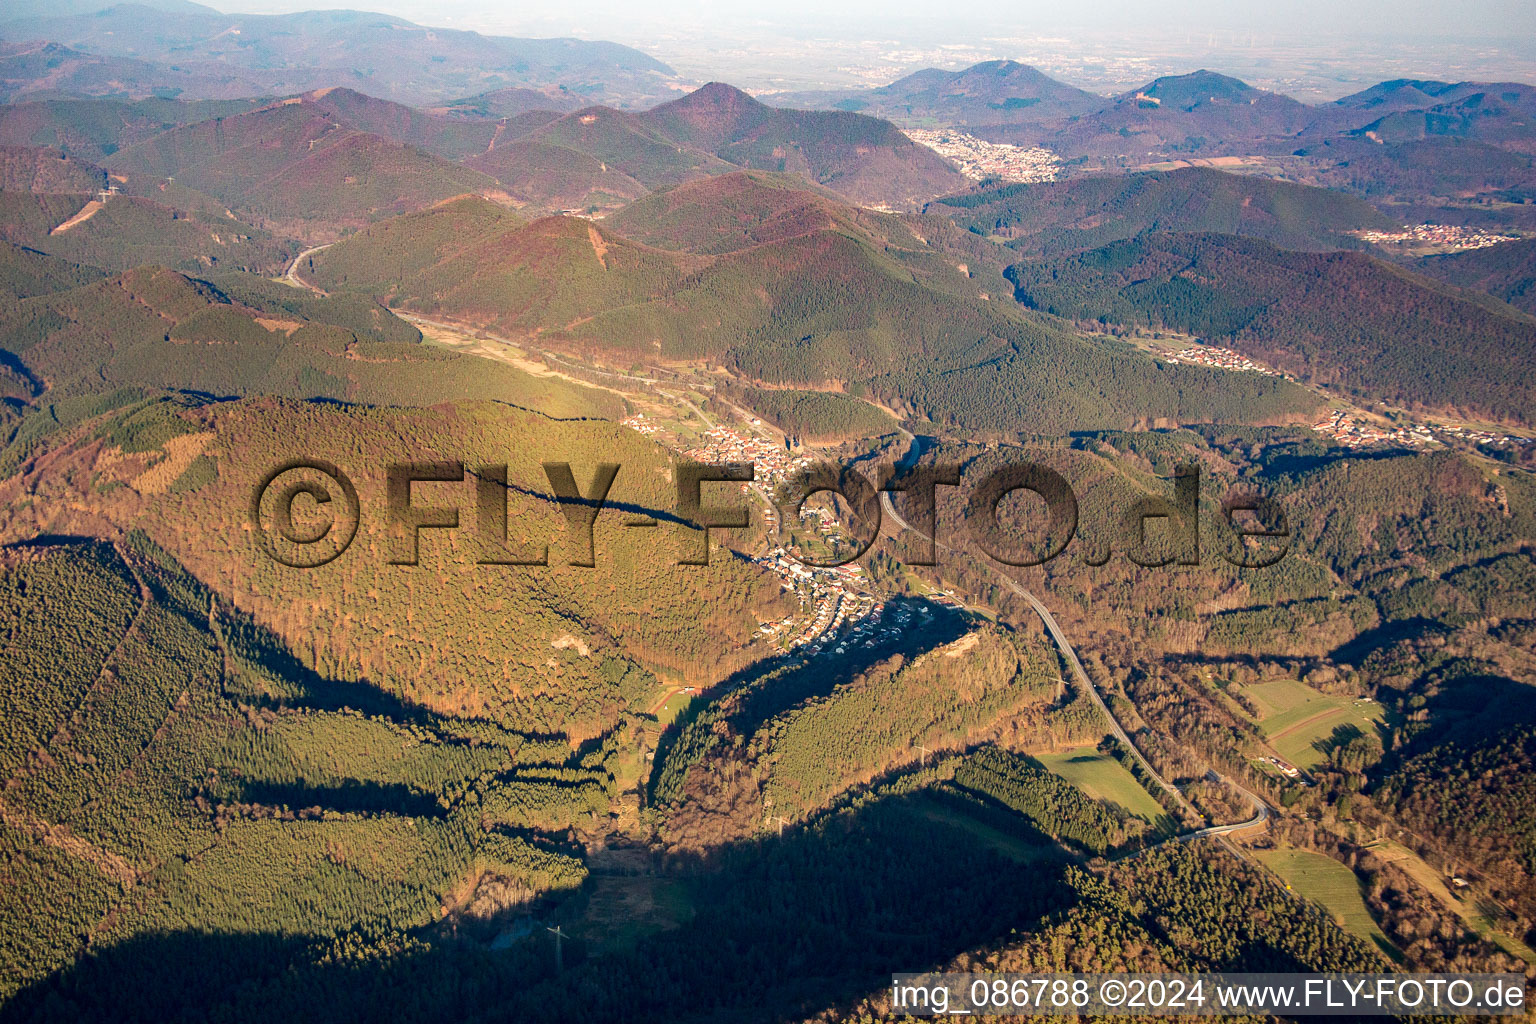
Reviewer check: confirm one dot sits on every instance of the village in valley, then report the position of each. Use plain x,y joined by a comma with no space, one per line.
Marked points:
1439,238
981,160
1222,359
841,607
1349,427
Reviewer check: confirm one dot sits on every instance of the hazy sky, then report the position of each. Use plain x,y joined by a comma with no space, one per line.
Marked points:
1512,21
1311,49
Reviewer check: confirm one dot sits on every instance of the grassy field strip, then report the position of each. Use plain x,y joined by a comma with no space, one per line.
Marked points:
1483,923
673,706
1295,717
1104,778
1332,886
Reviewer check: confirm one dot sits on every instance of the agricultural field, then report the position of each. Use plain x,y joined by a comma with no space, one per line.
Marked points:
1104,778
1331,885
672,707
1297,719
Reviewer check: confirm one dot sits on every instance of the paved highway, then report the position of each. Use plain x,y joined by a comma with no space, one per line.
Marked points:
292,276
1261,811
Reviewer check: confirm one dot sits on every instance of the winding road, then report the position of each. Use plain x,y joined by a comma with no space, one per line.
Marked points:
1260,808
292,274
1063,645
1260,813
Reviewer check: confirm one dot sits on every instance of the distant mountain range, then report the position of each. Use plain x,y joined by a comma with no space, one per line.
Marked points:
1376,142
754,235
316,165
133,51
1201,114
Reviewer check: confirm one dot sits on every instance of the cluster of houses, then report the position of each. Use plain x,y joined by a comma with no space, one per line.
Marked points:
1223,359
772,462
866,626
1472,435
639,423
842,611
832,592
1352,433
980,160
1290,771
1446,237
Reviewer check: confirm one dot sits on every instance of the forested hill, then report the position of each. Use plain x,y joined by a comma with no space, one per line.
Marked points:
173,743
883,312
1081,213
1507,271
1476,800
1343,319
864,158
990,96
1202,111
301,168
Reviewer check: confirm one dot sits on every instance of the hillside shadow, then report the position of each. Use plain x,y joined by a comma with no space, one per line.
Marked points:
784,927
1388,633
48,540
1297,464
352,796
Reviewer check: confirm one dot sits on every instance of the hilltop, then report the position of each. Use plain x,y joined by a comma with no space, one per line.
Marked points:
33,169
601,157
26,272
983,98
735,211
1498,113
513,101
1081,213
593,156
300,167
1402,94
1202,112
863,158
290,53
732,213
447,137
1347,320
